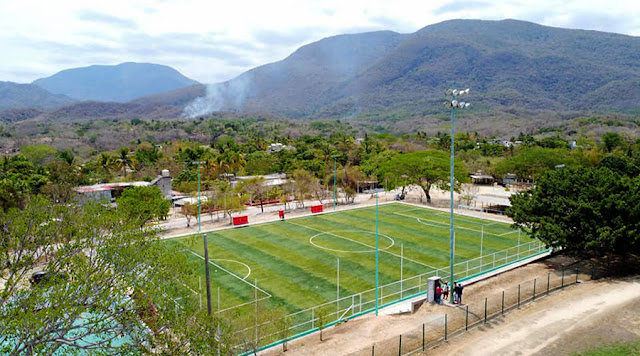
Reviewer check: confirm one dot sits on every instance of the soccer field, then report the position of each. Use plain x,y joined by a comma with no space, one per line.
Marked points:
295,262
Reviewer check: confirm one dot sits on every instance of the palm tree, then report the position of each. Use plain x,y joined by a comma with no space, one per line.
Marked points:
123,160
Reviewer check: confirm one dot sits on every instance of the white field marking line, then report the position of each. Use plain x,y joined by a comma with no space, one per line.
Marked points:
331,233
234,261
233,274
362,243
507,233
224,259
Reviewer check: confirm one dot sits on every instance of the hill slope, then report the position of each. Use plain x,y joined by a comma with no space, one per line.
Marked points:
508,64
119,83
23,96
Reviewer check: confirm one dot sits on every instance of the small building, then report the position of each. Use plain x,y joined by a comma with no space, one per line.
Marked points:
109,192
277,147
270,180
481,179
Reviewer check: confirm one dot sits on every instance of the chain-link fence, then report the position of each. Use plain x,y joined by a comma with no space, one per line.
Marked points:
453,321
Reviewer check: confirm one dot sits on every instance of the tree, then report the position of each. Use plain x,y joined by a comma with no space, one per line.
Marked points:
124,160
256,188
190,211
304,183
585,211
143,204
612,140
532,162
118,279
424,168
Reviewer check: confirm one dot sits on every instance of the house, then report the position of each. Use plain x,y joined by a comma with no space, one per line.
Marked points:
277,147
479,178
111,191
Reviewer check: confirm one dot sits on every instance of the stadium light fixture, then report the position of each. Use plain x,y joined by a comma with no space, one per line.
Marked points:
453,104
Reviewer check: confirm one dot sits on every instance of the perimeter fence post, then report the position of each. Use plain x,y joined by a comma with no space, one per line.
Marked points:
562,283
485,310
503,303
518,296
445,328
373,350
313,318
577,273
548,280
422,336
400,345
534,288
466,319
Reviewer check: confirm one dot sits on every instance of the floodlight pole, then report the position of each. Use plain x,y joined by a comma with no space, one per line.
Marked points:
453,104
199,205
376,253
335,175
452,236
206,269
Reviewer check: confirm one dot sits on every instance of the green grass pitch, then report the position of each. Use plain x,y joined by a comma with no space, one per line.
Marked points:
295,261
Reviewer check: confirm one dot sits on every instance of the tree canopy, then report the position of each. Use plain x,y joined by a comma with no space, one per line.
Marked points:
143,204
118,285
585,211
424,168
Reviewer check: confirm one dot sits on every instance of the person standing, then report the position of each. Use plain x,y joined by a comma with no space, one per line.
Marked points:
460,287
454,292
445,291
439,295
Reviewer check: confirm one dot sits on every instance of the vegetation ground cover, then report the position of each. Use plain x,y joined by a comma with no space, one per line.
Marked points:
295,261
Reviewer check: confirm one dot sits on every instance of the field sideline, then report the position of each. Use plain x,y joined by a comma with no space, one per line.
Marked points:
295,261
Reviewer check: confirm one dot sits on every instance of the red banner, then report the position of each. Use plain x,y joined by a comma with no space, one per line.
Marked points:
240,220
316,208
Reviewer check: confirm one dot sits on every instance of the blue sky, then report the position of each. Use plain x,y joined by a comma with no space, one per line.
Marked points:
213,41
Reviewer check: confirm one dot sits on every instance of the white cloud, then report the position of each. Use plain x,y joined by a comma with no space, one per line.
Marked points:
215,41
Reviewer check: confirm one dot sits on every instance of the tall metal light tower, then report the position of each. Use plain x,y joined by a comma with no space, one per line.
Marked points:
453,104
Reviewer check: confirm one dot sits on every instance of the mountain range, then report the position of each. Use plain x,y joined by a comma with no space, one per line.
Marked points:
506,63
511,66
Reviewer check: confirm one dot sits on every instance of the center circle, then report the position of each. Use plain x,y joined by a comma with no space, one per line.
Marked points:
335,234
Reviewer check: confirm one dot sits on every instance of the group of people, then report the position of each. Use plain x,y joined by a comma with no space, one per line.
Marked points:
442,292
